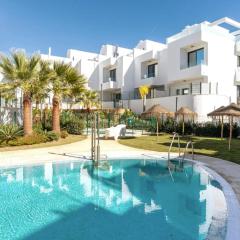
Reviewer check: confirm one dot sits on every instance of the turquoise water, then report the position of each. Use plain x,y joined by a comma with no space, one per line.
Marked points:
122,199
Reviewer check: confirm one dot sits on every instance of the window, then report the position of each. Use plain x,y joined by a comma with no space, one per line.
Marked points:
195,57
178,92
113,75
185,91
151,70
238,61
118,96
238,91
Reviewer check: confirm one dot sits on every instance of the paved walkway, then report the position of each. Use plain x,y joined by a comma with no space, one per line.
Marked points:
230,171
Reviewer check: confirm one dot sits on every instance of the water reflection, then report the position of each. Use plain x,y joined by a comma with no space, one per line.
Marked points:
185,207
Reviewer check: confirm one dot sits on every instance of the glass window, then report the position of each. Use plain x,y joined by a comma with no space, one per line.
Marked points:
185,91
238,61
151,70
118,96
178,92
113,75
238,91
195,57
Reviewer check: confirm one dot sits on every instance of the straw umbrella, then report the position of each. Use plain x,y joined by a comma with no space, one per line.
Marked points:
156,111
185,112
231,111
215,113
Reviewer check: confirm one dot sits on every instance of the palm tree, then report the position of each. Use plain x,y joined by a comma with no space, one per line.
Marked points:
77,86
65,82
143,91
41,90
21,71
89,99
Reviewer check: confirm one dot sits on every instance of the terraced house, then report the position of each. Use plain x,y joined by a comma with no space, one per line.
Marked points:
198,68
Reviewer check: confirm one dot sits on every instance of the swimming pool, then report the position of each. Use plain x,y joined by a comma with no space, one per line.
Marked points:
121,199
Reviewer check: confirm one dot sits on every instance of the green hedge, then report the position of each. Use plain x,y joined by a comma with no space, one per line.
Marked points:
207,129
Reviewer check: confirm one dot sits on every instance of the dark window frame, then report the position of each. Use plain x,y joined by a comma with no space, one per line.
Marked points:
238,61
196,57
152,72
188,91
113,74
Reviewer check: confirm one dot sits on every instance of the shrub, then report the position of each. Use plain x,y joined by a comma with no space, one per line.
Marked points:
63,134
35,138
52,136
47,120
38,128
9,132
75,126
65,118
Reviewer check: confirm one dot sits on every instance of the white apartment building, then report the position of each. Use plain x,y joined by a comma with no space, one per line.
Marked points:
198,68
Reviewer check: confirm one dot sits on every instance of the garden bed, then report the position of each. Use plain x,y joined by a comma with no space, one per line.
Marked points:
61,141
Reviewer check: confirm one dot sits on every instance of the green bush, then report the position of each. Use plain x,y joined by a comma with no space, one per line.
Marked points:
35,138
65,118
47,120
38,128
75,126
64,134
207,129
9,132
52,136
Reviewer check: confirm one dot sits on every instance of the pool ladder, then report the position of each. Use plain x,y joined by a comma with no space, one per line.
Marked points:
180,159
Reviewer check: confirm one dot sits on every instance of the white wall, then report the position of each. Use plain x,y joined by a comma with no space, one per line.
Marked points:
202,104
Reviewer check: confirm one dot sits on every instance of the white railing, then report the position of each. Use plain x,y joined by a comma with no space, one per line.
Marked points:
109,84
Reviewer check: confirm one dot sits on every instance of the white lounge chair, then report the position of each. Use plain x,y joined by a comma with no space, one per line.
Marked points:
116,132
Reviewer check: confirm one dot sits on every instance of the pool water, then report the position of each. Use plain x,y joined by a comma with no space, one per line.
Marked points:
121,199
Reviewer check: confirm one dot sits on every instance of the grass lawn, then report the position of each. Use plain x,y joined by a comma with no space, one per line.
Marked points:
214,147
61,141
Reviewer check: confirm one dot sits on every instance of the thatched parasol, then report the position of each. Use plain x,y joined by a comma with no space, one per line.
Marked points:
232,110
156,111
120,111
215,113
185,112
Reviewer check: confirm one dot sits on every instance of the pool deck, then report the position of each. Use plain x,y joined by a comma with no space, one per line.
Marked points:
73,151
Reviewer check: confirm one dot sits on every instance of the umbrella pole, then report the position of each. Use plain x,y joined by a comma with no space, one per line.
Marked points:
230,134
183,127
222,127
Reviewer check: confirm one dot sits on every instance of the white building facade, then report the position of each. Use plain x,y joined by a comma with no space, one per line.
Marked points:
197,68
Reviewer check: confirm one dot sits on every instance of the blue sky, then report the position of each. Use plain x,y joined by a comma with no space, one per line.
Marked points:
86,25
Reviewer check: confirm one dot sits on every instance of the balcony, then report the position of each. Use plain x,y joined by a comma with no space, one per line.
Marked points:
237,48
109,85
197,71
237,76
148,80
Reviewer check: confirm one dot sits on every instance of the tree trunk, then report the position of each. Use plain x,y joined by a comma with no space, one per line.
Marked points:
56,114
27,114
144,103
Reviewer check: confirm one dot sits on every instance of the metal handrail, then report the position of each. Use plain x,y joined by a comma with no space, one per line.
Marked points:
170,148
186,148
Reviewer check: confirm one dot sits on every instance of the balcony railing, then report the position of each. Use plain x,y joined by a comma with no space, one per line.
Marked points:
110,84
